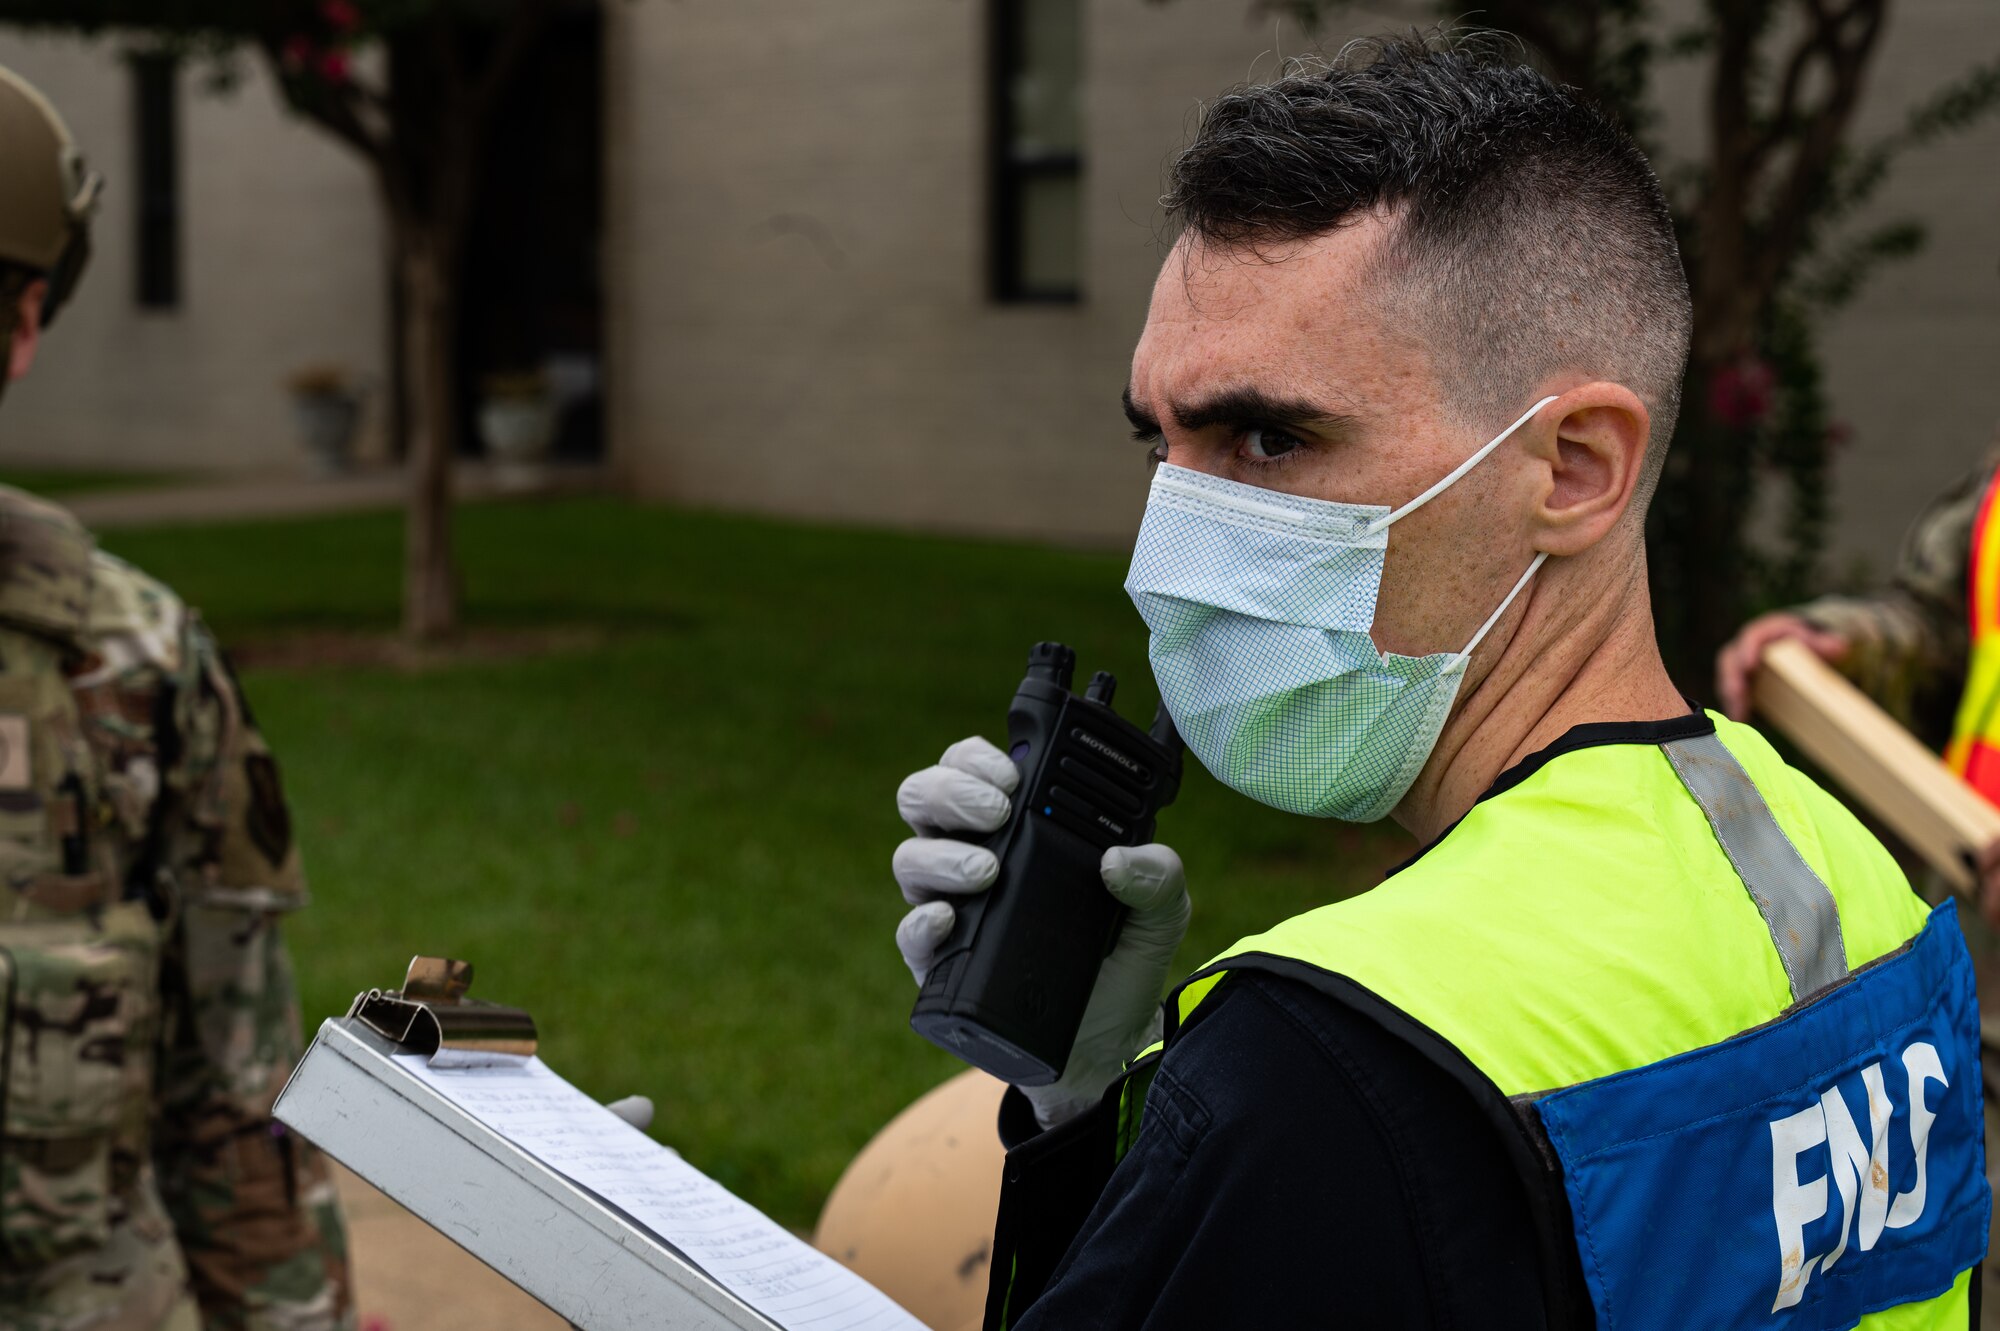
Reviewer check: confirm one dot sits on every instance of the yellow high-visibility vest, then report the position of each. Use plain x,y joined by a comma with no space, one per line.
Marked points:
1974,751
1586,921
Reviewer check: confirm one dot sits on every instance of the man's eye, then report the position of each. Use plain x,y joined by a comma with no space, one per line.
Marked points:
1264,442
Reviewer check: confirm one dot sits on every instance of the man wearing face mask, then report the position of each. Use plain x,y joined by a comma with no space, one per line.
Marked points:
1650,1033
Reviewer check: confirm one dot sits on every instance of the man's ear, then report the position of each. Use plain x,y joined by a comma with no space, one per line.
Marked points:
27,329
1595,457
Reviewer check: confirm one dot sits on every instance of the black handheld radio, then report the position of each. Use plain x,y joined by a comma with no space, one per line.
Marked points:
1007,990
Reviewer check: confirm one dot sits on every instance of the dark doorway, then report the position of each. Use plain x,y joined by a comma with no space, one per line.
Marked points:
533,296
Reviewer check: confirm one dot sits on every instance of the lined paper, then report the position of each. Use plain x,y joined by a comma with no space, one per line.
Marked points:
749,1254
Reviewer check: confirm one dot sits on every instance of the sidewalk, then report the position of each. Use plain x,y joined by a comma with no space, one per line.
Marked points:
289,494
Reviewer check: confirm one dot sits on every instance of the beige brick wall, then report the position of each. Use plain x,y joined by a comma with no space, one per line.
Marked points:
800,318
1914,363
281,266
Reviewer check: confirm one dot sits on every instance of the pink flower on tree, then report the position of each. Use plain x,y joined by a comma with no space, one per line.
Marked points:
340,15
297,54
1740,394
333,67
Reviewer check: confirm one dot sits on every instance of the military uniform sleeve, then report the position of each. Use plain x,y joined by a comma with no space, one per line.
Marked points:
1909,641
253,1205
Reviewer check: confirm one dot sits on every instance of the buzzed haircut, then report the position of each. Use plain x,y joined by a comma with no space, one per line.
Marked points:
1534,236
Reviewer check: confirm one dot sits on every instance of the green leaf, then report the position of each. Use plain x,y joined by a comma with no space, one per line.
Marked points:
1837,279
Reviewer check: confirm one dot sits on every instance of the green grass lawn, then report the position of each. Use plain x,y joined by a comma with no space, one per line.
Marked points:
68,482
673,846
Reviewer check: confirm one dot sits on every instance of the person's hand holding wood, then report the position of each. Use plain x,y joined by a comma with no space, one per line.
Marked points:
1988,862
1737,662
1875,760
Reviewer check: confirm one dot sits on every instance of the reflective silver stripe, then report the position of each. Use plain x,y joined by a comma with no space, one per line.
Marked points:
1797,907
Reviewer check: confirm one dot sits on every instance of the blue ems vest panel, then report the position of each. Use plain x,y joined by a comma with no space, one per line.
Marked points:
1801,1175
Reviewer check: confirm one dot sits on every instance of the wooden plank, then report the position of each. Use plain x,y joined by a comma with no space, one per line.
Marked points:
1880,764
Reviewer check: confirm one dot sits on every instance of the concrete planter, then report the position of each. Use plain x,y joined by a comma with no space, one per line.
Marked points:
327,424
518,432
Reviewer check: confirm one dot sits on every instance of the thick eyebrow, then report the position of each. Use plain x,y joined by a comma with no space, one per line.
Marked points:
1144,428
1254,406
1239,406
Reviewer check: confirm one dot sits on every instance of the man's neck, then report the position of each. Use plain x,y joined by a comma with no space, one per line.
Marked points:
1558,669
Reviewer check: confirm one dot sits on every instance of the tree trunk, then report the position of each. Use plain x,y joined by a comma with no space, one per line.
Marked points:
430,308
1699,551
396,392
438,104
1709,542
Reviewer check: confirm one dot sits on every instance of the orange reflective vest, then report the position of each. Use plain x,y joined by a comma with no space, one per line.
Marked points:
1974,751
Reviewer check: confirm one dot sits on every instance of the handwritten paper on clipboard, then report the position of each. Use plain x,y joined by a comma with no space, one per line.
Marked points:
753,1257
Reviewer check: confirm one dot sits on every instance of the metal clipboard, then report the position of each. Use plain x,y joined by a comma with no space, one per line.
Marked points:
563,1244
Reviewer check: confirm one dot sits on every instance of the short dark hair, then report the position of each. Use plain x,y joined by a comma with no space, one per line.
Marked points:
1534,235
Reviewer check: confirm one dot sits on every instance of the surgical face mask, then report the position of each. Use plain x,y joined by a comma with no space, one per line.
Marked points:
1259,605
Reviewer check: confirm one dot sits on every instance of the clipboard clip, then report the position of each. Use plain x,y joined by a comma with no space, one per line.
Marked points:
431,1015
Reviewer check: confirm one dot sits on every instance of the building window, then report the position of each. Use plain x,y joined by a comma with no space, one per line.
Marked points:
1037,163
156,144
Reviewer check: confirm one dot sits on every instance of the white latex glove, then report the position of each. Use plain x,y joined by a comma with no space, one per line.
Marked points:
634,1109
967,792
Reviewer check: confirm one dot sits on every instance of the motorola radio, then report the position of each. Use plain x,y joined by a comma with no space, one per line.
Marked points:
1007,990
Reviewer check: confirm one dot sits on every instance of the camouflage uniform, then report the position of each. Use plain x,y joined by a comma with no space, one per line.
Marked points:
150,1011
1909,649
1910,644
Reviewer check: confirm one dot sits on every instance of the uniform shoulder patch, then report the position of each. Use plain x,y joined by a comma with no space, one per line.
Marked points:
45,566
130,605
19,503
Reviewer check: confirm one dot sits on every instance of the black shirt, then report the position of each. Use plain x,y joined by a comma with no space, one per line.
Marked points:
1298,1164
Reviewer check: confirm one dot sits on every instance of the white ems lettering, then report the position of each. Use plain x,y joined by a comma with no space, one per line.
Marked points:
1860,1171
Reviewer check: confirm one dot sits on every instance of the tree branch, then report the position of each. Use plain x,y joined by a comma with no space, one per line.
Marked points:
1791,210
444,48
477,102
1785,111
333,112
473,99
1723,308
531,17
1822,40
1530,22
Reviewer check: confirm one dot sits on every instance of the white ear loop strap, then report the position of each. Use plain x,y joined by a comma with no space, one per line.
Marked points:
1456,472
1508,600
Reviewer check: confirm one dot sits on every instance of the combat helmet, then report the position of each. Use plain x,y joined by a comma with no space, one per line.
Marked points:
47,194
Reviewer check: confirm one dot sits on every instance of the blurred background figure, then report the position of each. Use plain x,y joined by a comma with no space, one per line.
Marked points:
1927,648
148,857
1921,645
